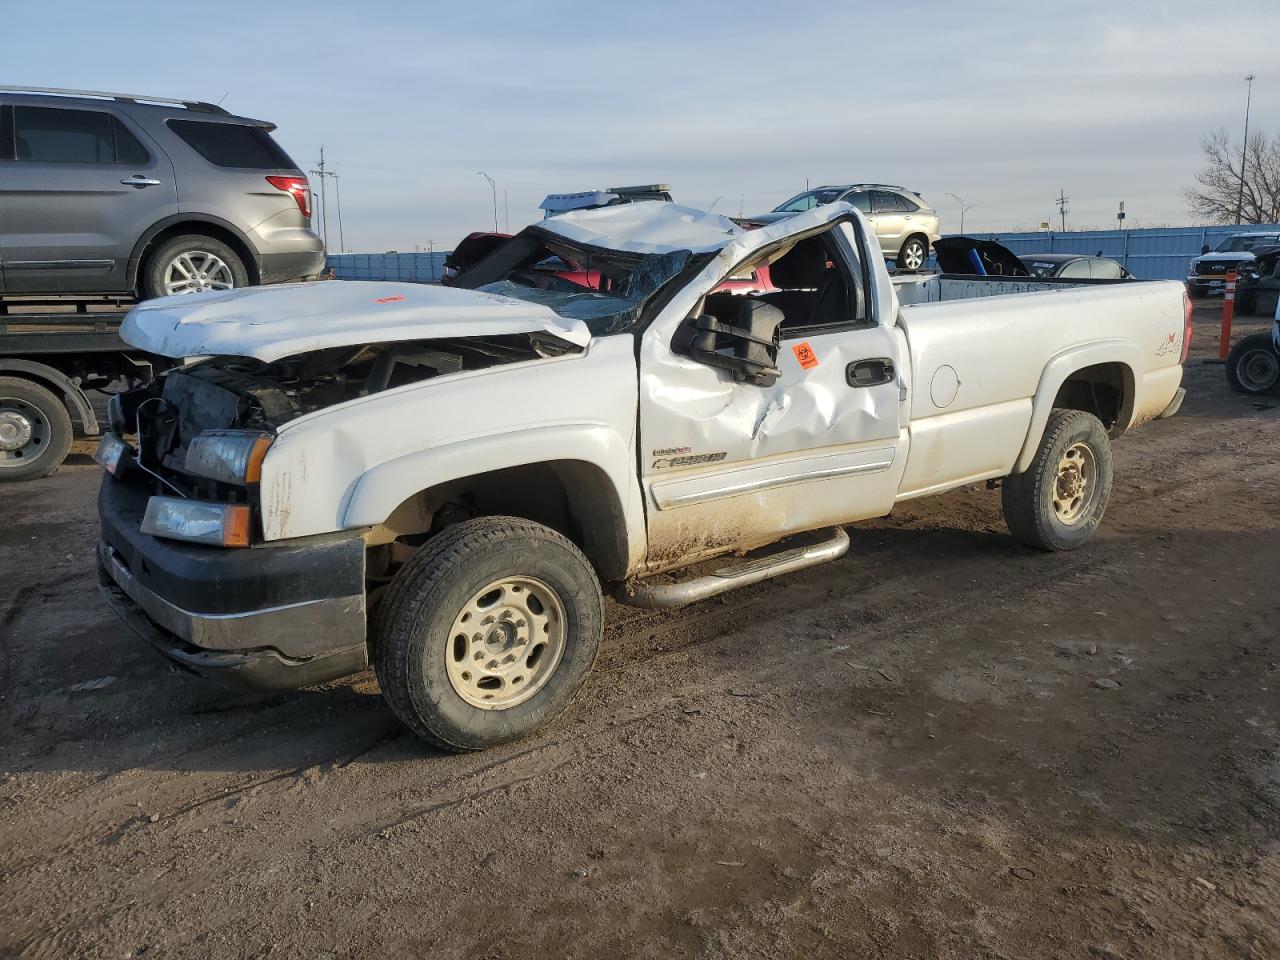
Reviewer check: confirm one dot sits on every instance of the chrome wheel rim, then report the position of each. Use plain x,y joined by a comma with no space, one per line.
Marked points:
506,643
197,271
1076,484
913,256
23,432
1259,370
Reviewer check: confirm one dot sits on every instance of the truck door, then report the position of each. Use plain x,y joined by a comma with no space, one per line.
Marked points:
728,464
76,194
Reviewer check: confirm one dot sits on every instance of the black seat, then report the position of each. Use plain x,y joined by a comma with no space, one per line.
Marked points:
809,292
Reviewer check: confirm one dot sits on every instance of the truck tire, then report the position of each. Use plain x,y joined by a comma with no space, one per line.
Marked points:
192,264
1059,501
35,430
487,632
913,253
1253,365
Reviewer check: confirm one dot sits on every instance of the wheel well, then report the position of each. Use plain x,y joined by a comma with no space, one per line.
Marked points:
199,228
1104,389
572,497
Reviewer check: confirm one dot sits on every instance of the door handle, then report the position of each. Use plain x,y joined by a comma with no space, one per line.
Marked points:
138,180
869,373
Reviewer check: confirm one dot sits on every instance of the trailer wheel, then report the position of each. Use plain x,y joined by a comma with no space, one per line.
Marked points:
487,632
1059,501
35,430
193,264
1253,365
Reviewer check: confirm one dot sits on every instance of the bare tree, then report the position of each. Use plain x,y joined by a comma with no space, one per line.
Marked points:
1215,197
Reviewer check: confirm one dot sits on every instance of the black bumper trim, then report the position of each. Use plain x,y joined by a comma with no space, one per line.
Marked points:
217,580
250,670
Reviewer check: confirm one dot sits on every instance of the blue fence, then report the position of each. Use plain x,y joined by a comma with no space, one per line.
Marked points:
409,267
1157,254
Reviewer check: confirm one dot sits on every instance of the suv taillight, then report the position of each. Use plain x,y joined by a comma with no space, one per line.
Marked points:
1188,308
298,188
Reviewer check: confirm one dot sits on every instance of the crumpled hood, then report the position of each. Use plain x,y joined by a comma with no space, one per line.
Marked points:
273,322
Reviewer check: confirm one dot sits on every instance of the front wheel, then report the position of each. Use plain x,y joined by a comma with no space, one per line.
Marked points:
487,632
1253,365
913,253
1059,501
193,264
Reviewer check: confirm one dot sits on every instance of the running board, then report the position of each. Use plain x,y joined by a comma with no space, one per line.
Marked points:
641,593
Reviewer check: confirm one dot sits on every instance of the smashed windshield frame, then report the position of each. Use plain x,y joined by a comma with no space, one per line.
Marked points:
606,289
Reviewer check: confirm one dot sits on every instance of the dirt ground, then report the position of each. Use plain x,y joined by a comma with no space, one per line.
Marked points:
901,754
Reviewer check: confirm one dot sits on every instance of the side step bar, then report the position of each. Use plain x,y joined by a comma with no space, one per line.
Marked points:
641,593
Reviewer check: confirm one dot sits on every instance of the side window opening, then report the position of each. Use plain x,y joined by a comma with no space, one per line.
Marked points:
814,287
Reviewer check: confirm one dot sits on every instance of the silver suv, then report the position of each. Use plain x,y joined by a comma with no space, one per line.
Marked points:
117,194
905,225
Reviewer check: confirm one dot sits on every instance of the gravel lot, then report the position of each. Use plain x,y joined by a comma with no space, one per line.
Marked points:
942,745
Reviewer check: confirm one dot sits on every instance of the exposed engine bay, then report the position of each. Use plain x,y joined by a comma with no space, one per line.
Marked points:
223,393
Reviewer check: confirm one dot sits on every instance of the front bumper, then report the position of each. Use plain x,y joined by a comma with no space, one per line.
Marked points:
268,617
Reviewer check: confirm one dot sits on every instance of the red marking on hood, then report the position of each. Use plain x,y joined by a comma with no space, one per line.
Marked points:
395,299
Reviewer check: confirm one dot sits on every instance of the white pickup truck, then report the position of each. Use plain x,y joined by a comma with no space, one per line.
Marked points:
443,481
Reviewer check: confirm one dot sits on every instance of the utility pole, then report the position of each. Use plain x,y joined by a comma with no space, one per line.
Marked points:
963,207
506,213
1244,150
324,174
1063,200
493,185
337,189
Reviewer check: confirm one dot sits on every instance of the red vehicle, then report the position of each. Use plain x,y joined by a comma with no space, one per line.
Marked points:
474,247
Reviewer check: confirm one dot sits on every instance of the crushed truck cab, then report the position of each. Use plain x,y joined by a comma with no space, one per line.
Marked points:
443,481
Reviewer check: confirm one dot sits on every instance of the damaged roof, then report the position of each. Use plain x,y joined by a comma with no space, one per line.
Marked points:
648,226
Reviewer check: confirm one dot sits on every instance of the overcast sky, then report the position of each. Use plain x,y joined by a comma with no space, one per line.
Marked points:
1001,103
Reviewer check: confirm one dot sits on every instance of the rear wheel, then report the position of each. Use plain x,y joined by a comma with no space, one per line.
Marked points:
487,632
913,253
193,264
1059,501
1253,365
35,430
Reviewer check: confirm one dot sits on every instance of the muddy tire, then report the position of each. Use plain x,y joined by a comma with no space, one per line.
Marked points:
487,632
1059,501
1253,366
192,264
35,430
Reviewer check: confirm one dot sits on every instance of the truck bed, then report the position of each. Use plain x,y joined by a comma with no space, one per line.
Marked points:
939,287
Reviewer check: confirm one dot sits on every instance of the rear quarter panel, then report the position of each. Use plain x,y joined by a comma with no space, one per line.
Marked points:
985,370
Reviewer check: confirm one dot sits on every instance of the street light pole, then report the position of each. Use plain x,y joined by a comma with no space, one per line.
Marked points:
1244,150
963,207
493,185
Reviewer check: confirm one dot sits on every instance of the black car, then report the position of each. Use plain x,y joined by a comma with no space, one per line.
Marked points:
1073,266
1258,289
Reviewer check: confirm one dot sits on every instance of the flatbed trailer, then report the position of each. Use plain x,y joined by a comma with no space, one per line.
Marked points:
53,351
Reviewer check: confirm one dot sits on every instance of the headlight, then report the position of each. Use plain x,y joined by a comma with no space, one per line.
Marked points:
232,456
112,452
221,524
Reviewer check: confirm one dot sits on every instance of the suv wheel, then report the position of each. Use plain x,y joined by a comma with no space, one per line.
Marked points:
193,264
913,253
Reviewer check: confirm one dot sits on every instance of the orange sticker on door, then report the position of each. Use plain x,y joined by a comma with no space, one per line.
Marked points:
805,355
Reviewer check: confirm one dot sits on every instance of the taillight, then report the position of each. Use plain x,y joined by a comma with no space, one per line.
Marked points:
1187,309
298,188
